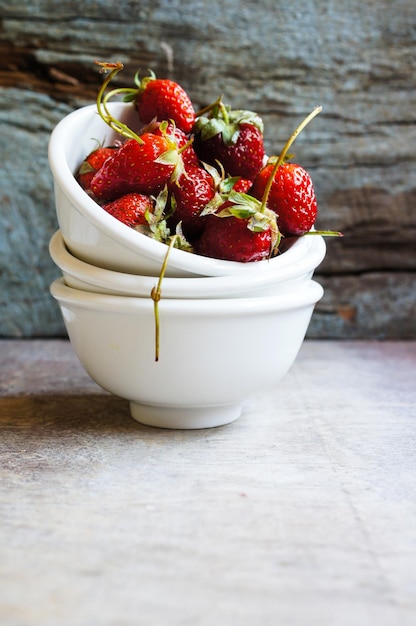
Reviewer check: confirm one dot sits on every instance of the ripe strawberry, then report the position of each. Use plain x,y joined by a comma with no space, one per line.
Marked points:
230,239
181,139
291,197
131,209
91,164
143,167
232,137
243,185
162,99
190,194
239,230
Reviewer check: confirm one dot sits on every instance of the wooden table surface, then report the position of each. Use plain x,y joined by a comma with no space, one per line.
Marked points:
300,513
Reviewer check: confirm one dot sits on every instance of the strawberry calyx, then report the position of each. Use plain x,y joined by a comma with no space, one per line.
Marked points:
173,155
156,227
141,83
223,120
157,223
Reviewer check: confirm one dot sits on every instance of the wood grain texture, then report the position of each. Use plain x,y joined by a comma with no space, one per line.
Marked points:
301,512
279,58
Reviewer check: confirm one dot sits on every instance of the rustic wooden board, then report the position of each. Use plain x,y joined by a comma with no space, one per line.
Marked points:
279,58
300,513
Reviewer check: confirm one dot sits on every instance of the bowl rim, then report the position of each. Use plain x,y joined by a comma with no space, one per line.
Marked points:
128,237
307,294
184,286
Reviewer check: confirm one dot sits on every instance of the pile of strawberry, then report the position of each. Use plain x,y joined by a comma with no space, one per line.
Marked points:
202,177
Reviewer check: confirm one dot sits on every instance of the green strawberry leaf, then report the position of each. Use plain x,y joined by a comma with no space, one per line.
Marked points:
212,127
214,173
258,223
240,211
213,205
180,241
239,116
170,157
85,168
227,184
237,197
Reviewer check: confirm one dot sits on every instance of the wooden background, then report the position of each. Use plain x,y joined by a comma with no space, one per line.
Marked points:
280,58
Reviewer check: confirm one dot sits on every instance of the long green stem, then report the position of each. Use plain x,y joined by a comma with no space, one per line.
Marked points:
156,295
325,233
102,101
283,153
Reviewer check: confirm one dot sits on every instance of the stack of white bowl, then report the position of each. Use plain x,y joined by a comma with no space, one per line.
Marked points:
227,330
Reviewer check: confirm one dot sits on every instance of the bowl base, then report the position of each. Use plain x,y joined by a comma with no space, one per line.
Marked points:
185,418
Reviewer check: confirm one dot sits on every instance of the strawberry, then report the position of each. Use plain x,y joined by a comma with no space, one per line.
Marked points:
91,164
181,139
239,230
190,194
143,165
291,197
243,185
131,209
230,239
161,99
232,137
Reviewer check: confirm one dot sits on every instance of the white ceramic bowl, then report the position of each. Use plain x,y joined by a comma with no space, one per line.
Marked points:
98,238
214,354
82,275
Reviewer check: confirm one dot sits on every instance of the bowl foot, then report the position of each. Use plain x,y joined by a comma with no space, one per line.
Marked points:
185,417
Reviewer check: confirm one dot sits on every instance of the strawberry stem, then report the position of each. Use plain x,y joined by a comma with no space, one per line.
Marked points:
209,107
156,295
283,153
325,233
224,112
102,101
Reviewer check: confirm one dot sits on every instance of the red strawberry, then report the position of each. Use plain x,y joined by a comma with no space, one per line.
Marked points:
230,239
92,164
190,194
291,197
143,167
243,185
232,137
131,209
163,99
240,230
181,139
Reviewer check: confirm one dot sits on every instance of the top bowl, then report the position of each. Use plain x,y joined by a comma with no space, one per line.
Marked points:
94,236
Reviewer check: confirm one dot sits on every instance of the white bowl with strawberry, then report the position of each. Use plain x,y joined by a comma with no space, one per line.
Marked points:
131,176
187,255
209,358
281,277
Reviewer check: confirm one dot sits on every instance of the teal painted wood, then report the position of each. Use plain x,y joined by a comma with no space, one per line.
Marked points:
279,58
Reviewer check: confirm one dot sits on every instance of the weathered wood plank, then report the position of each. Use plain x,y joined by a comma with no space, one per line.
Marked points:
380,305
301,512
356,60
